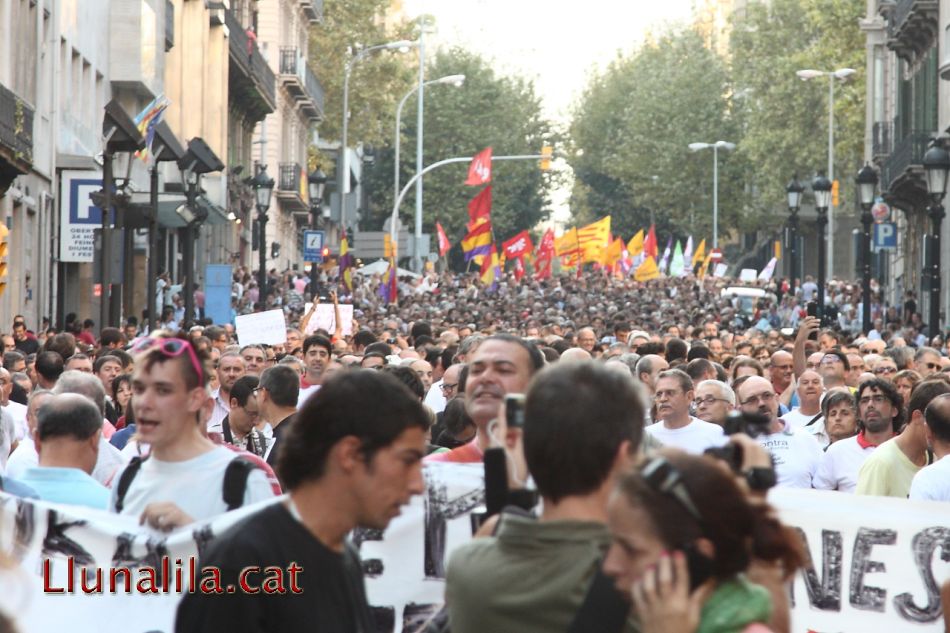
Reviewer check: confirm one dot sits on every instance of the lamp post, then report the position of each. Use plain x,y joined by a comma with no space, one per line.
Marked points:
344,176
867,183
454,80
317,183
718,145
263,188
840,74
822,188
937,164
793,191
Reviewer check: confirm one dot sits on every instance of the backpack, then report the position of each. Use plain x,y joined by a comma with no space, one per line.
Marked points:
235,481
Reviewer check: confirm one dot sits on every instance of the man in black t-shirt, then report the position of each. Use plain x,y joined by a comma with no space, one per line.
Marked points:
348,461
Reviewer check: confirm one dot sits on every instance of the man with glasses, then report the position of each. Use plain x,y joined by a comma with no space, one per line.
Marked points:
795,452
277,398
676,427
880,411
238,427
781,370
927,361
885,368
713,401
254,358
833,369
230,368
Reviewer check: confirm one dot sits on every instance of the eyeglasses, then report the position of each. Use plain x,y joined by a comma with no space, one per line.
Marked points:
663,477
708,400
885,370
172,348
448,387
932,365
876,399
768,396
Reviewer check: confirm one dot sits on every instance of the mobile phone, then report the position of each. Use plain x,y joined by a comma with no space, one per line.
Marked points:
514,410
699,566
812,308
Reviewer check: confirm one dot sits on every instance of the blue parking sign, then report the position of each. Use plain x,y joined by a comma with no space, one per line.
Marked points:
885,235
313,246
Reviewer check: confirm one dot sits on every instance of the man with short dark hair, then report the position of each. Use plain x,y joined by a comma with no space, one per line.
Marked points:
237,427
24,341
277,397
49,366
14,361
255,360
574,466
230,368
67,438
933,482
316,356
111,338
360,456
79,362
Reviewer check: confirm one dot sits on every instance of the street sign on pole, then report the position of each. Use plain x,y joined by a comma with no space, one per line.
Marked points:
313,246
885,236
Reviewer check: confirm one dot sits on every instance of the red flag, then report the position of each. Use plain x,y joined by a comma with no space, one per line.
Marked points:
545,256
479,208
479,172
444,243
519,269
518,246
649,245
546,247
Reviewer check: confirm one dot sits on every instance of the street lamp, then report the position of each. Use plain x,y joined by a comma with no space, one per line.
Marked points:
794,191
263,188
840,74
453,80
936,163
402,46
317,182
822,188
718,145
198,159
867,183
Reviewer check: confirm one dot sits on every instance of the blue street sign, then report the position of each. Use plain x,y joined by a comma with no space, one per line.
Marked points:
885,235
313,246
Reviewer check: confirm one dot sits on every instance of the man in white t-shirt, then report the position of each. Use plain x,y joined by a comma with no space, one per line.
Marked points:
231,367
933,482
25,455
810,390
880,408
182,480
795,452
673,393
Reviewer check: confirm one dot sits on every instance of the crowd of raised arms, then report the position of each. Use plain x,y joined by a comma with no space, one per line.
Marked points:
642,425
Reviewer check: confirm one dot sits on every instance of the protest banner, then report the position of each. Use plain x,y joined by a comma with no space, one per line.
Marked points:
269,328
325,318
876,563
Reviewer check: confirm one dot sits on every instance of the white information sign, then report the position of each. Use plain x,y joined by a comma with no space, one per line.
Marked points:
268,327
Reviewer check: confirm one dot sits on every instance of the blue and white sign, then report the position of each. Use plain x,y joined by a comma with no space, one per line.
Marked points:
79,217
313,246
218,293
885,236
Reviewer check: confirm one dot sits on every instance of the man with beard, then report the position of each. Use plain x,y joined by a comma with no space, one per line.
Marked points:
316,356
890,471
880,409
795,452
501,364
230,368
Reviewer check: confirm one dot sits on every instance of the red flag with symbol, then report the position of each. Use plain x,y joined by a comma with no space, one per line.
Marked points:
479,208
444,244
479,172
518,246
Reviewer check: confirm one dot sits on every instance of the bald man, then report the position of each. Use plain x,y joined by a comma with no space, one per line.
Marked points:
574,355
781,370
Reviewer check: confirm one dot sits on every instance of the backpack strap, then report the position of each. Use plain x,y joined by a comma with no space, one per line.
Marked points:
235,482
604,610
226,430
125,480
815,419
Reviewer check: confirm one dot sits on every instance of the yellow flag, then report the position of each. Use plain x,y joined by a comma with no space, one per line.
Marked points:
594,239
702,269
635,245
614,252
647,270
700,253
567,243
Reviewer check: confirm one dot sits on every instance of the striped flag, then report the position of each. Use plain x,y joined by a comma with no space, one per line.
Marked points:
147,120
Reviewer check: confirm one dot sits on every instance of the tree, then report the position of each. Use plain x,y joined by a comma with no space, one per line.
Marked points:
784,119
630,135
488,110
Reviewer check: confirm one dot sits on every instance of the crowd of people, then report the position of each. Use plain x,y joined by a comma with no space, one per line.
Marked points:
656,416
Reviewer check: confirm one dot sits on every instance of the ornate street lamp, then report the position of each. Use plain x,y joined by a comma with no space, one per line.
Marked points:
822,188
317,182
794,193
867,184
937,164
263,188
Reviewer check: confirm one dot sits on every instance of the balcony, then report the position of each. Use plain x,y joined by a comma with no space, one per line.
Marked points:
16,137
292,190
301,84
312,10
251,82
169,25
902,172
912,27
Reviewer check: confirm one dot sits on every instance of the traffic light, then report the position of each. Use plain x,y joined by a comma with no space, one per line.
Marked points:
4,251
326,253
834,193
546,153
274,250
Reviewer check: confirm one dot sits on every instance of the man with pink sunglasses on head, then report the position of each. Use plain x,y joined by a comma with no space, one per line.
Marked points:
186,477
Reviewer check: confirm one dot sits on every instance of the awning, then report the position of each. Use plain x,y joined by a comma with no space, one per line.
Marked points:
167,205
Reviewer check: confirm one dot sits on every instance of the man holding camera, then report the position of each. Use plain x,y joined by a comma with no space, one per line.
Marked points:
795,452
